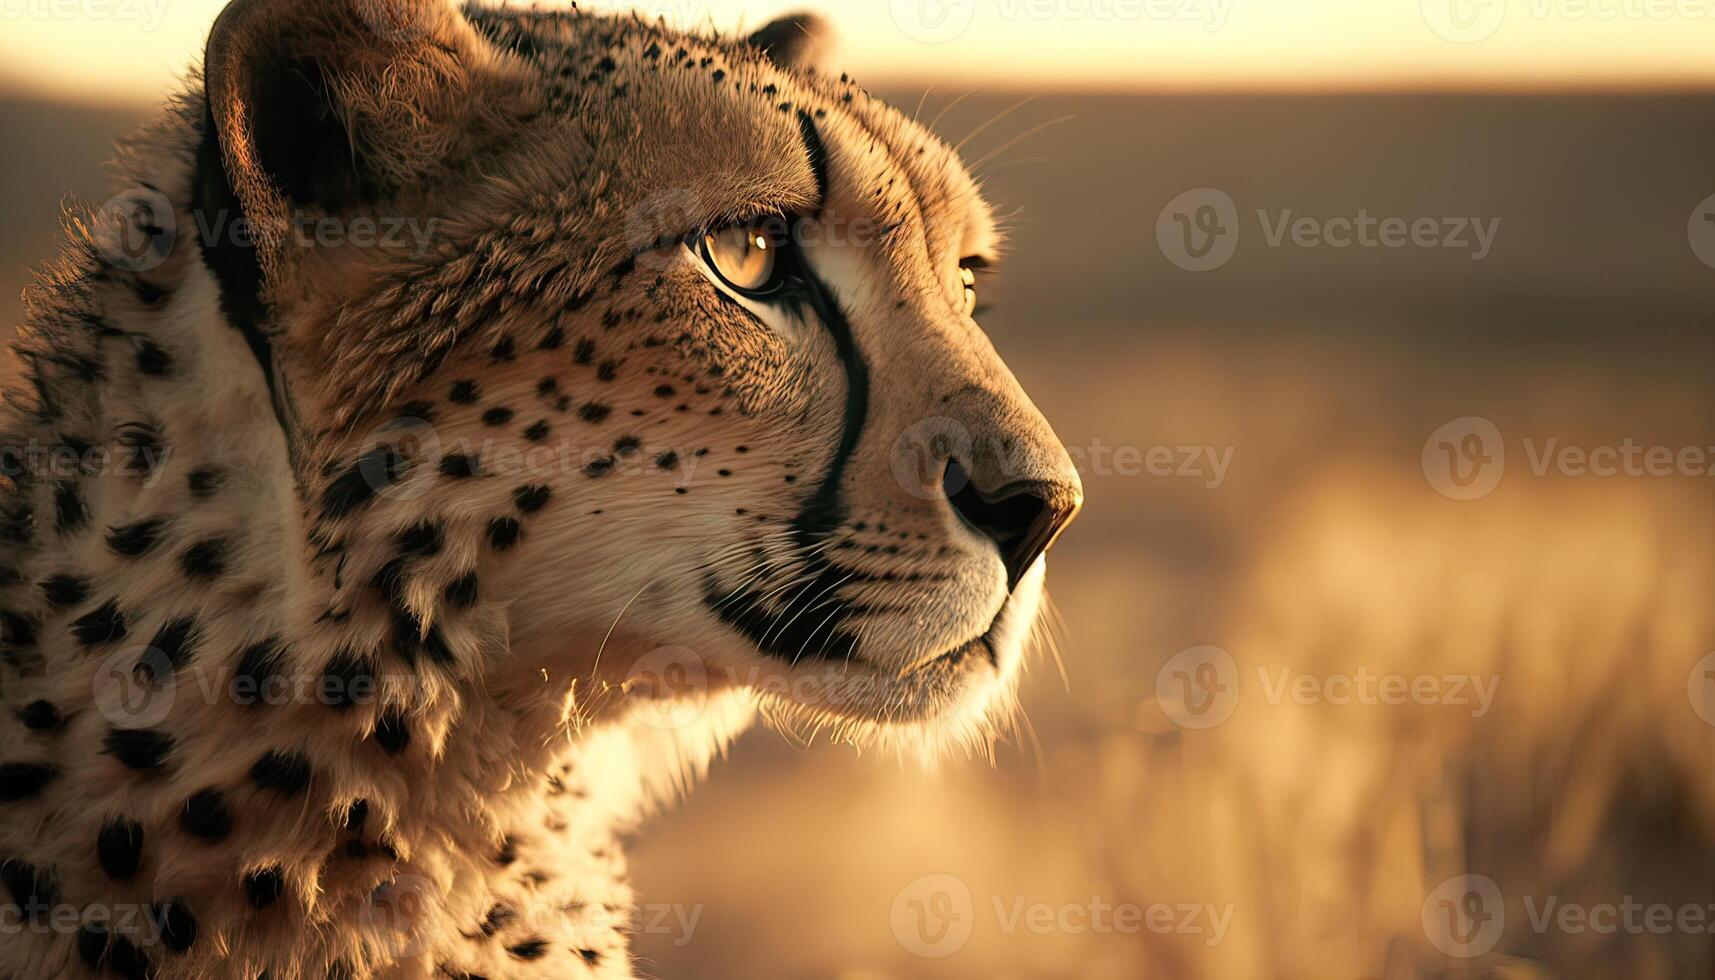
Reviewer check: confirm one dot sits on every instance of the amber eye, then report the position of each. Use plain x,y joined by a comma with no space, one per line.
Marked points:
968,276
746,257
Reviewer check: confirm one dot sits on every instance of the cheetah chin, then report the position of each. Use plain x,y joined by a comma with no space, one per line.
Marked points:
458,427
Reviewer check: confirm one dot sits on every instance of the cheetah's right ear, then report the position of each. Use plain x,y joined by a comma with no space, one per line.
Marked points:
334,104
796,42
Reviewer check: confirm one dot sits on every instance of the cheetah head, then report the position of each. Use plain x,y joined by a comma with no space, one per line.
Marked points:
672,335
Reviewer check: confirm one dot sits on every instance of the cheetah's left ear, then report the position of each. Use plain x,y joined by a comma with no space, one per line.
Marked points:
796,42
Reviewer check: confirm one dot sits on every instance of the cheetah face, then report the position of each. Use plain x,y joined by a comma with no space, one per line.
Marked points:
696,327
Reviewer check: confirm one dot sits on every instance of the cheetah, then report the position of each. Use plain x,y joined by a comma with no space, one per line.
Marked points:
462,424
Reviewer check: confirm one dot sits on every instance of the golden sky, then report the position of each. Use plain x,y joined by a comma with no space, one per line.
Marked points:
130,49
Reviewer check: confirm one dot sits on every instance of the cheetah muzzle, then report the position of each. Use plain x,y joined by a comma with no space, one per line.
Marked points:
461,425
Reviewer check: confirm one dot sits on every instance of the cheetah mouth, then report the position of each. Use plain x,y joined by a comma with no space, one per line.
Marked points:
978,649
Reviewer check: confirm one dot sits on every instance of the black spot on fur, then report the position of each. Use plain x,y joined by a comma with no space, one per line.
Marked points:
600,467
376,469
24,780
497,416
667,460
347,679
392,732
627,445
139,748
356,814
458,466
529,949
584,352
287,773
531,499
537,432
498,916
464,393
39,716
206,815
119,847
70,512
131,540
504,350
504,532
263,888
547,386
590,956
258,667
142,449
594,412
553,340
607,371
104,624
178,926
152,359
34,890
92,945
205,481
176,640
205,559
17,629
508,852
461,592
423,539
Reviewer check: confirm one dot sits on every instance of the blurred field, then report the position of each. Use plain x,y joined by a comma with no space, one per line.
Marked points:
1322,829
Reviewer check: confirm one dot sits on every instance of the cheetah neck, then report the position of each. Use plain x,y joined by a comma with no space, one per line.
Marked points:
294,738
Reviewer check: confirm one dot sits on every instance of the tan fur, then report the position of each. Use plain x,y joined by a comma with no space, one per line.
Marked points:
558,159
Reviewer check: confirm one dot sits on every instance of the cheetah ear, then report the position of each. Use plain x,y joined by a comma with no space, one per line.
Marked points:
334,104
796,42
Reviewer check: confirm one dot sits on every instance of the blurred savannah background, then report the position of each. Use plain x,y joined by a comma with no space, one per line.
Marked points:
1290,506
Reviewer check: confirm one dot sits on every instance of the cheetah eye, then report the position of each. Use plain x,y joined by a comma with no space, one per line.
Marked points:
751,258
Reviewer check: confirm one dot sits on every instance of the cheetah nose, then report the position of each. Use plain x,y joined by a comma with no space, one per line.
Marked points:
1023,518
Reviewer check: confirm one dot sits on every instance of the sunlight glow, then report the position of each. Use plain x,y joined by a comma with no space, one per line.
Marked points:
129,50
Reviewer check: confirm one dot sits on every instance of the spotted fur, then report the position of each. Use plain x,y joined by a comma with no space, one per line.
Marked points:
357,601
